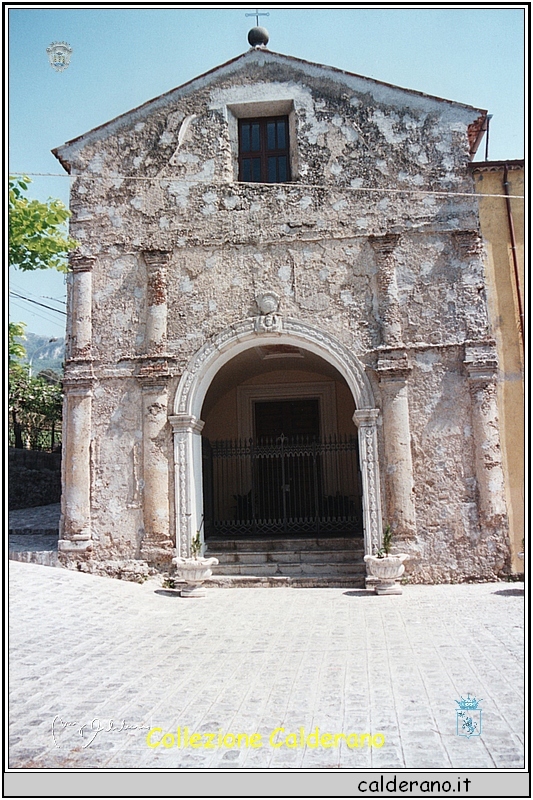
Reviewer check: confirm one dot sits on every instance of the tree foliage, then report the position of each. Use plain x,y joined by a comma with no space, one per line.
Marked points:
16,348
34,396
49,375
34,406
38,237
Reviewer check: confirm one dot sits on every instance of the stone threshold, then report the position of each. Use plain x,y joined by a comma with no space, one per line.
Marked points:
273,581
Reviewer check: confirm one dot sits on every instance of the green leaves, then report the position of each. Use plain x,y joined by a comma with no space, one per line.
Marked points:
16,349
38,237
33,399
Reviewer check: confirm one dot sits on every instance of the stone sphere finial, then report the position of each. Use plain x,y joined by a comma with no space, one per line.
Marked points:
258,37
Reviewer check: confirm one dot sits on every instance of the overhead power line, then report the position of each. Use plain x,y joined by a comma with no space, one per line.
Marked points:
27,299
43,315
159,178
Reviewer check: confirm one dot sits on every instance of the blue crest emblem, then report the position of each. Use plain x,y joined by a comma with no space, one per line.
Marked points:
59,54
468,717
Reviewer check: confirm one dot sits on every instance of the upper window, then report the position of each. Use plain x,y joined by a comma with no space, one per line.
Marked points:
264,150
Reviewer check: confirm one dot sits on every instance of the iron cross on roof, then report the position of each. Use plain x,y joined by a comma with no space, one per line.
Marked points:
257,14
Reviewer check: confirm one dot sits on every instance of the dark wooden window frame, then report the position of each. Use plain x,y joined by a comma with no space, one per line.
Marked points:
262,153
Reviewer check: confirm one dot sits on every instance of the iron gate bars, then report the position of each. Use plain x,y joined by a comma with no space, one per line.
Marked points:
282,486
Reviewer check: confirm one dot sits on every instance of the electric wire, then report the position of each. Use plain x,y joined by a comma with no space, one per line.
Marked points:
157,178
34,313
24,291
27,299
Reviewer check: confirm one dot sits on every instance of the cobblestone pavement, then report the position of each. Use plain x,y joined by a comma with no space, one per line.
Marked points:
86,650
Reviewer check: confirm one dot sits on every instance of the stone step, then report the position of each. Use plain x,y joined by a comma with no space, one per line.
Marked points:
284,581
291,569
274,559
267,544
289,556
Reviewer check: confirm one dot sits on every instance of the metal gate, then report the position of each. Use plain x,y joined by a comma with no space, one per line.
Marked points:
282,486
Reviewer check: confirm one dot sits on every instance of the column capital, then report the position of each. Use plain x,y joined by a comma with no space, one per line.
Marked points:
384,245
481,362
153,373
365,417
77,389
186,422
155,259
394,367
79,262
80,385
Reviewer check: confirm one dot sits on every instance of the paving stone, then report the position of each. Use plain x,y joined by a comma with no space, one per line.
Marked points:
89,648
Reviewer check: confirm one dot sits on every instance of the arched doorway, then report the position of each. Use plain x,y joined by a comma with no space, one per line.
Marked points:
280,450
219,375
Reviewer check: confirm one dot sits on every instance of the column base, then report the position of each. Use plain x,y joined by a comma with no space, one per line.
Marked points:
74,546
159,553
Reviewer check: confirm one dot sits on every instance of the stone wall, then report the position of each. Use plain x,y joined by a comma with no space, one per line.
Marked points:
375,241
34,478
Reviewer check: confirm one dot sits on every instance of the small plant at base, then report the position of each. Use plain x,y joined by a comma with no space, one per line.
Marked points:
387,543
196,545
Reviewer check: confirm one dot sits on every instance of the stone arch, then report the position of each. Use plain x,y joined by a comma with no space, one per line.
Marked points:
193,387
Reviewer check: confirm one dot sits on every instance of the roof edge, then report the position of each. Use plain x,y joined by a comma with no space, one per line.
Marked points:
336,70
55,151
494,166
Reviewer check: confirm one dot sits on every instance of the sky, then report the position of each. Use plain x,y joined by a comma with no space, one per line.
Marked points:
124,56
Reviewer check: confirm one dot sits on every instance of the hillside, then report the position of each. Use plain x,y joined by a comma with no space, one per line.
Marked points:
43,353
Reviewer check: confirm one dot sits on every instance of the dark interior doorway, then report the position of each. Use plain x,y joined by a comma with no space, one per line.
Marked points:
289,418
288,477
287,480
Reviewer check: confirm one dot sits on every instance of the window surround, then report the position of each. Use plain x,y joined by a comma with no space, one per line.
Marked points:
264,108
248,395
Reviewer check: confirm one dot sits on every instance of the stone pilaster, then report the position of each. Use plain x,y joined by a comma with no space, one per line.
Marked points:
156,546
393,371
366,421
469,247
156,301
76,497
81,287
388,304
481,367
188,480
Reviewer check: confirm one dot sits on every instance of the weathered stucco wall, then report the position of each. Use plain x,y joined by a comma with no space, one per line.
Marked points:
375,241
504,291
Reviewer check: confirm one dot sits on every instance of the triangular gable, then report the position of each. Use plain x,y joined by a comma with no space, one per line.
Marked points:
383,92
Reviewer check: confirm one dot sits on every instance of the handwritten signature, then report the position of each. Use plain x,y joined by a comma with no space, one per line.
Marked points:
90,730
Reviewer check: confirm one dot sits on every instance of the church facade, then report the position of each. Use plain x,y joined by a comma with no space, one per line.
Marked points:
278,325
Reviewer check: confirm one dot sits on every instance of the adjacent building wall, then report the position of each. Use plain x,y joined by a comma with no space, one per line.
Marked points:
505,285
